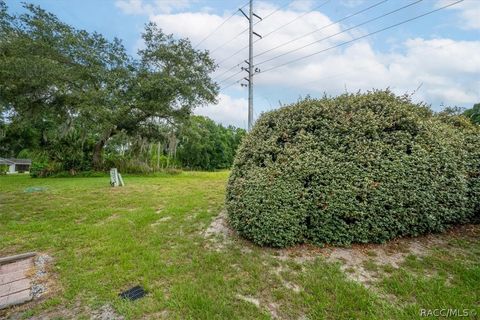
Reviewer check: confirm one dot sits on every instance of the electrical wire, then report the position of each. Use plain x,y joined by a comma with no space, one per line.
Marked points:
340,32
231,84
275,30
246,29
364,36
231,76
219,26
323,27
295,19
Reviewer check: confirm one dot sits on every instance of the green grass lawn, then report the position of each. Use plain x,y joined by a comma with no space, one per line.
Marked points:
151,232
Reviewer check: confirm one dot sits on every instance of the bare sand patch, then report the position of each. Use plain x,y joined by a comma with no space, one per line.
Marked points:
218,233
362,263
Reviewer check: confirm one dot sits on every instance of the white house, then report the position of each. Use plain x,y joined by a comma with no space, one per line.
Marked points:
16,165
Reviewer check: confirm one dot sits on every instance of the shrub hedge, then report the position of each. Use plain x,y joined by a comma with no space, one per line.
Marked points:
354,168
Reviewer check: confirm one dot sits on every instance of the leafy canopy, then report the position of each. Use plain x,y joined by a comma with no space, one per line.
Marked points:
473,113
58,83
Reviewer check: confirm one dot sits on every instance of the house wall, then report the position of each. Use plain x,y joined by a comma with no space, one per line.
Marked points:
22,167
11,168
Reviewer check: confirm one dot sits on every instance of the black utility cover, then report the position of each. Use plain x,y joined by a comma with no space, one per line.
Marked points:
134,293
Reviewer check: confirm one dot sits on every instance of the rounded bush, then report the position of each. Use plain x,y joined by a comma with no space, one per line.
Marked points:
354,168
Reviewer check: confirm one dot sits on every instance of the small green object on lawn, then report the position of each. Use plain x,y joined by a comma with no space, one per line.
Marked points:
34,189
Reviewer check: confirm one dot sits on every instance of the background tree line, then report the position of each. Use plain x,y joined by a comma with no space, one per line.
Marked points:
76,101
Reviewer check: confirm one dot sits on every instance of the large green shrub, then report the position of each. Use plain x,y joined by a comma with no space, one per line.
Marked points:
355,168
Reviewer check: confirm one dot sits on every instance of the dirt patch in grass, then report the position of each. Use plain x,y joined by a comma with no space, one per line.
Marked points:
219,226
287,284
269,307
252,300
75,311
160,221
108,219
218,233
106,312
365,263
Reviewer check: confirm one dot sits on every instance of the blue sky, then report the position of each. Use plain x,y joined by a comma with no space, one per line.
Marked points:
438,54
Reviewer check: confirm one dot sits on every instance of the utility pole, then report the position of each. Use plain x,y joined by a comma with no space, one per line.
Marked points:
250,69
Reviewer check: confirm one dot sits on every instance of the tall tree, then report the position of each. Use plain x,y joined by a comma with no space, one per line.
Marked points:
65,82
169,81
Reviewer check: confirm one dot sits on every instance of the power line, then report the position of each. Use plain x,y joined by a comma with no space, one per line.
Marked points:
229,41
275,11
323,27
226,71
295,19
280,27
231,76
246,29
218,27
275,30
231,84
364,36
336,75
340,32
293,40
238,64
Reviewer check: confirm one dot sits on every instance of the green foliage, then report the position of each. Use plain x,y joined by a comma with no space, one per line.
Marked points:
158,219
82,174
207,145
37,169
355,168
198,143
3,169
473,114
43,169
69,92
138,155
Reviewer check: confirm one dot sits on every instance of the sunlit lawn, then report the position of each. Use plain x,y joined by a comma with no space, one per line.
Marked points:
105,240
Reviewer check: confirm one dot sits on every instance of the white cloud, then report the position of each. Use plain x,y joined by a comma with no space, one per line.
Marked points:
142,7
228,111
131,6
469,12
447,69
195,25
302,5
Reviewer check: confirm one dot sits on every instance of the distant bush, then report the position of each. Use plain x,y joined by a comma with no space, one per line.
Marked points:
473,114
43,169
81,174
173,171
3,169
206,145
355,168
126,164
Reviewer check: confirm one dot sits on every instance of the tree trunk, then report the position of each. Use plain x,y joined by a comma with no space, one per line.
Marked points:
97,160
98,155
